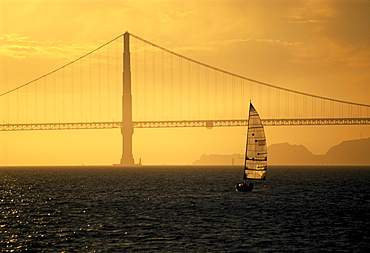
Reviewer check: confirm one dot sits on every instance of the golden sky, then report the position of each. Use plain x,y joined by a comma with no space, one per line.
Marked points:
319,47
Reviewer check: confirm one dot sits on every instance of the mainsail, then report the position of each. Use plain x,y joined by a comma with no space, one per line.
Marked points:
256,148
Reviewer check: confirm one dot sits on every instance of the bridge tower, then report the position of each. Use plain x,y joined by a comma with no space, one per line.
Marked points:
127,128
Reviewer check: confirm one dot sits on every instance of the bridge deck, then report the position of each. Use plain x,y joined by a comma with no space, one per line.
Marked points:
183,123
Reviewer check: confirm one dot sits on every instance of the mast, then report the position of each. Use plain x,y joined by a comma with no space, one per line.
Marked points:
127,129
246,145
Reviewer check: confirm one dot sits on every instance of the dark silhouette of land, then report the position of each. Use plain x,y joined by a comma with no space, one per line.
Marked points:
353,152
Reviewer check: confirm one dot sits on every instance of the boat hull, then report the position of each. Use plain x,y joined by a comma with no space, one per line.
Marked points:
243,187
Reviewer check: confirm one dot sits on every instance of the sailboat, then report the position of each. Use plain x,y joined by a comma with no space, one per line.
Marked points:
255,159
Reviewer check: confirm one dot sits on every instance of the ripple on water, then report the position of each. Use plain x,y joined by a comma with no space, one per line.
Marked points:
115,209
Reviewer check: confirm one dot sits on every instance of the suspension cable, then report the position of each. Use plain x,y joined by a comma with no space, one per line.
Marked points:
66,65
191,60
245,78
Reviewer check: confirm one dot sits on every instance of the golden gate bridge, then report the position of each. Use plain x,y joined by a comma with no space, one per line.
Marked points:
130,83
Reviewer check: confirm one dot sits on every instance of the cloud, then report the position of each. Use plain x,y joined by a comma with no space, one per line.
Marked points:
301,20
16,46
21,47
270,41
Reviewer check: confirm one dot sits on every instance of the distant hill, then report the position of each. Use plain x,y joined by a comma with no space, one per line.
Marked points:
353,152
287,154
349,152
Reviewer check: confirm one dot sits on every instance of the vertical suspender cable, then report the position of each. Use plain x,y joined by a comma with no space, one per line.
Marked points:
162,86
99,85
171,85
207,93
36,102
8,106
233,96
27,105
198,92
145,90
154,83
81,90
277,104
72,94
286,105
215,78
45,100
304,111
17,99
54,96
242,99
90,86
189,90
224,95
180,87
108,111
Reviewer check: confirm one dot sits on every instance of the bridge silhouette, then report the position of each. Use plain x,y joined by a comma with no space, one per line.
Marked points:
130,83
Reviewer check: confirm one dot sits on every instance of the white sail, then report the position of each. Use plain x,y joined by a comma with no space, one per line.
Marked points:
256,153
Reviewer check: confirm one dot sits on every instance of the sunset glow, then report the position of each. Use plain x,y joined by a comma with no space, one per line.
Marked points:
315,47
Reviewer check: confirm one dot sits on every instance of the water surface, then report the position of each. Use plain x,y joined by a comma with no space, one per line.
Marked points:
184,209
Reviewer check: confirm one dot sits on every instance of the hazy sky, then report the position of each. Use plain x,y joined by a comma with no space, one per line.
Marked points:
320,47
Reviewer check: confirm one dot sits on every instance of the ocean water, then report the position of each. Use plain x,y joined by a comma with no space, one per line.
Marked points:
183,209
